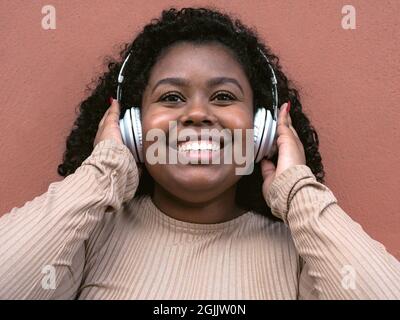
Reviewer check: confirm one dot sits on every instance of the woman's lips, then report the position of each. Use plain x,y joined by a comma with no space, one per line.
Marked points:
199,145
199,148
202,152
203,142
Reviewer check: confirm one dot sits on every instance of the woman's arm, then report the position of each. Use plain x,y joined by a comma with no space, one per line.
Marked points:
42,250
341,260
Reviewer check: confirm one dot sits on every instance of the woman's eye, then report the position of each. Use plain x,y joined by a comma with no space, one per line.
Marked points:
225,97
168,97
173,97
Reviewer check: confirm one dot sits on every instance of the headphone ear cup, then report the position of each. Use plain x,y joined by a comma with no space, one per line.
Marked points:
137,131
259,124
267,144
131,132
264,134
125,125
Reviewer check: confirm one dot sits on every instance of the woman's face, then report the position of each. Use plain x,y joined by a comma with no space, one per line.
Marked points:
195,103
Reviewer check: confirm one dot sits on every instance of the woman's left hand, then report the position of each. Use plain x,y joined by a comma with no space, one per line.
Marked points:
290,150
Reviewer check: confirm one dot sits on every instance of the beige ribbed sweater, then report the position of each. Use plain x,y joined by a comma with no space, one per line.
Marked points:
87,238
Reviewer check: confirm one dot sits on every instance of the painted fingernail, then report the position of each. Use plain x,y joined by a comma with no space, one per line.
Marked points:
111,100
288,106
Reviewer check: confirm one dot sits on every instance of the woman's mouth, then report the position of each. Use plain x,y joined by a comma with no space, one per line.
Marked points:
200,152
190,146
203,151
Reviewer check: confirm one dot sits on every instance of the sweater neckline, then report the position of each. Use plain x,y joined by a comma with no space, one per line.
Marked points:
151,210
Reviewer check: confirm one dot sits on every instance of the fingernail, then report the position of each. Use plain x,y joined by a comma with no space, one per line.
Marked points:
111,100
288,106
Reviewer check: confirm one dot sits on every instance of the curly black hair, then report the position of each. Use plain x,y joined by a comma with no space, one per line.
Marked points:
195,25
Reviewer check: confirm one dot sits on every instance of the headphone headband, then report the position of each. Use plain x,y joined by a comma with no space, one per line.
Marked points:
121,78
274,87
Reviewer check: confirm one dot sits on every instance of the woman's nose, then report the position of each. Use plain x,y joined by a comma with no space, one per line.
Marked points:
198,113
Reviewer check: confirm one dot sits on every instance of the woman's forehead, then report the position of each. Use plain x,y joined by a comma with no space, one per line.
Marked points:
194,61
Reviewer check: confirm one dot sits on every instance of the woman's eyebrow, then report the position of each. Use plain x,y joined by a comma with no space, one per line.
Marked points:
182,82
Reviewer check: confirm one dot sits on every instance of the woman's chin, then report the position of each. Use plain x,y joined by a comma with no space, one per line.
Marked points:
201,177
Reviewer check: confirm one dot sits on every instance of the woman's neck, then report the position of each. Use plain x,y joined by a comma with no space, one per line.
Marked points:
219,209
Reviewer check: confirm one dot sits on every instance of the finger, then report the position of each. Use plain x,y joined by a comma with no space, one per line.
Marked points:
114,111
289,119
283,124
286,121
298,141
102,119
267,168
282,118
294,132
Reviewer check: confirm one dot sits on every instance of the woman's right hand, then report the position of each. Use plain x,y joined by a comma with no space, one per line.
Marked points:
109,125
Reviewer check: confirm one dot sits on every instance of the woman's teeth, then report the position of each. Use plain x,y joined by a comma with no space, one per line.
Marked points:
195,146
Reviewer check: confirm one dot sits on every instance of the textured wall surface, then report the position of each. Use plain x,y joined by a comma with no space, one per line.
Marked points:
348,81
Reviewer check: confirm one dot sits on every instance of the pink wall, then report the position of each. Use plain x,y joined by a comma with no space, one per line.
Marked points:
349,81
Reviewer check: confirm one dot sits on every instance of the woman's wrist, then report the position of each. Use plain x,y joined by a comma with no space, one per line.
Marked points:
283,189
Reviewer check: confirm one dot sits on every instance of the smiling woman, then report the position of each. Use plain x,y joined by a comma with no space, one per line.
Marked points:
201,38
117,229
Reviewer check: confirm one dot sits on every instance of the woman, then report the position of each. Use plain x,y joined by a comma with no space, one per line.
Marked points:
190,231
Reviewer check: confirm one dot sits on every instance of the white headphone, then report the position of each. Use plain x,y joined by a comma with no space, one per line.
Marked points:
264,123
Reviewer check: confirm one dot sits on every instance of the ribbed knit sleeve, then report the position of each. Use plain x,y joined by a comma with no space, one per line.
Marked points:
42,244
341,260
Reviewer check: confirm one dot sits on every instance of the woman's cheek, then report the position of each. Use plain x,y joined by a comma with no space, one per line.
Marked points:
154,130
240,123
240,118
